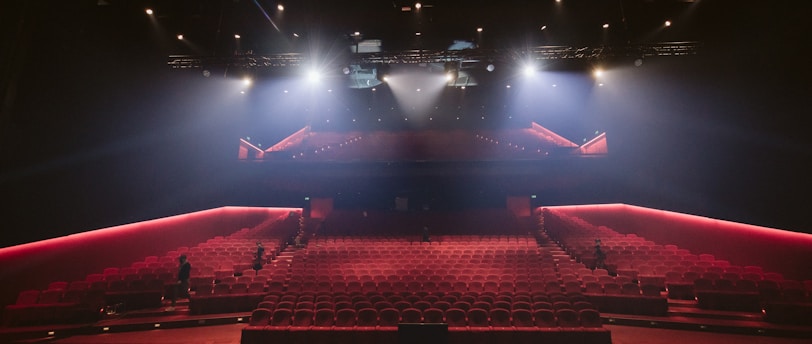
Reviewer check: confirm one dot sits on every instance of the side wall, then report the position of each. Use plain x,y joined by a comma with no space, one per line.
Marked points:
69,258
775,250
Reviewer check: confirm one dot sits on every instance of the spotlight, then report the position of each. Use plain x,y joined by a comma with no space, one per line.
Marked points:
667,23
149,11
449,76
313,76
180,37
237,36
597,72
543,27
247,81
280,7
606,26
479,29
529,70
490,67
418,6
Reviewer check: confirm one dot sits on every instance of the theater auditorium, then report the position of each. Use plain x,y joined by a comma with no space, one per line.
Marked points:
558,171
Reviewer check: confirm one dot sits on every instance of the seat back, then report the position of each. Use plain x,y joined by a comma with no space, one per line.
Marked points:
260,317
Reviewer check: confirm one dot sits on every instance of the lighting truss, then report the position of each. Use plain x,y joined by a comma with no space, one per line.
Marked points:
287,60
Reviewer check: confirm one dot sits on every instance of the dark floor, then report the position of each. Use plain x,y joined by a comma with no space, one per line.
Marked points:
684,324
230,334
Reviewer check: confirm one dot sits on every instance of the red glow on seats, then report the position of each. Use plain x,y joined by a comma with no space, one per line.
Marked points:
778,250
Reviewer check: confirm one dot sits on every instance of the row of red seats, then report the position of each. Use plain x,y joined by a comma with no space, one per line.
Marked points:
454,317
451,297
372,326
441,239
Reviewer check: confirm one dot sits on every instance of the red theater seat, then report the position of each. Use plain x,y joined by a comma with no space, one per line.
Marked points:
388,317
590,318
255,332
303,317
567,318
411,315
278,326
544,318
433,315
500,319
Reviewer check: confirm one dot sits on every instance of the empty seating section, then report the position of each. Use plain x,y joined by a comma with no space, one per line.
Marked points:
679,274
225,262
475,283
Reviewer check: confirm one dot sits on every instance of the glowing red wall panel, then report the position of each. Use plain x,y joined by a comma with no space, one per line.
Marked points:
321,207
69,258
519,206
741,244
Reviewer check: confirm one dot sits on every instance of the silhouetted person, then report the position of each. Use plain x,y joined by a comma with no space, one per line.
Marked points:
426,237
600,256
258,258
182,285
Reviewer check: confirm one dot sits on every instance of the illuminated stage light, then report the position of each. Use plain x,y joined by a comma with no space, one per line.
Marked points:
449,76
597,72
529,70
247,81
149,11
313,76
417,33
543,27
237,36
280,7
418,6
479,29
180,37
606,26
490,67
667,23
